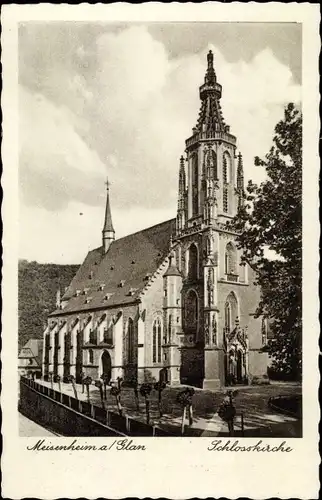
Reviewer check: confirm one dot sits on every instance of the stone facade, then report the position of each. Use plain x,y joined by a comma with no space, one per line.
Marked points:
182,306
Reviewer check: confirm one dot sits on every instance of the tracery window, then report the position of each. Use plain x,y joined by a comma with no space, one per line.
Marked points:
93,336
195,186
130,340
230,259
231,311
264,331
156,341
191,310
193,262
108,334
211,165
227,166
169,328
227,316
227,177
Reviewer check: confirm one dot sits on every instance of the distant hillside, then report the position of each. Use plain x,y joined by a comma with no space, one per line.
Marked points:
37,289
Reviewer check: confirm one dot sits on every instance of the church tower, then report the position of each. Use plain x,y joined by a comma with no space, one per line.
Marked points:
108,233
210,192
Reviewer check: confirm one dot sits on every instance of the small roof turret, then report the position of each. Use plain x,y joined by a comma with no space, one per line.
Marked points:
172,268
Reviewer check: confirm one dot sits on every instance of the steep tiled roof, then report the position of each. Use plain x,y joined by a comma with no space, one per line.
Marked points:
119,276
32,349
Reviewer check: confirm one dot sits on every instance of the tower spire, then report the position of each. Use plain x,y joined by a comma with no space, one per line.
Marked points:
210,118
181,195
108,233
182,177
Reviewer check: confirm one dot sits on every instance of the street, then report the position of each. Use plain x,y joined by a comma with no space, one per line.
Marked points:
28,428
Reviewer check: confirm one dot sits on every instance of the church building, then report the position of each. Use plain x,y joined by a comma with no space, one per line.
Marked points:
174,298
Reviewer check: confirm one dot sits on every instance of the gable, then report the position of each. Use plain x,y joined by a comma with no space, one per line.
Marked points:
26,353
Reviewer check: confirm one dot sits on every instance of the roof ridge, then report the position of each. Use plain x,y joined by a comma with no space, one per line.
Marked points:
136,232
146,229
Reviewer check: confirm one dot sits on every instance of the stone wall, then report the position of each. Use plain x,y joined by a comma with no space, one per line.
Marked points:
68,416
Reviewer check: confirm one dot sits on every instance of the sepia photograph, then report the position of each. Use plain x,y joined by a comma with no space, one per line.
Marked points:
160,317
160,229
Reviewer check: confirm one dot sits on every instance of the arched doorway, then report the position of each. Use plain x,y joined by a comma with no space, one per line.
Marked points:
106,365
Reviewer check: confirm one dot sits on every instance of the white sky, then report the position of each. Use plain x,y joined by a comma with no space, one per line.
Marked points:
119,101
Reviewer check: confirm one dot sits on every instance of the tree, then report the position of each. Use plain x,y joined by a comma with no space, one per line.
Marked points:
159,387
184,398
116,392
37,288
271,219
135,385
99,384
106,380
71,378
145,391
57,379
87,382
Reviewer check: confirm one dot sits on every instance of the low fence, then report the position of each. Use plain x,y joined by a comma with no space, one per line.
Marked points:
288,405
69,416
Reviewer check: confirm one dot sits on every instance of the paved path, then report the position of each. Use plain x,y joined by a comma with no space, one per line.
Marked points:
252,401
28,428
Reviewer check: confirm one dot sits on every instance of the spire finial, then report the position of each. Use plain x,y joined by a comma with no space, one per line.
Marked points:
210,59
108,230
210,77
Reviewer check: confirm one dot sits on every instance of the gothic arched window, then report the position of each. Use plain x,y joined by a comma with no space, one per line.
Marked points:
193,262
191,310
227,316
195,186
169,327
208,246
230,259
90,356
130,340
227,168
231,311
108,335
264,331
227,178
156,341
211,165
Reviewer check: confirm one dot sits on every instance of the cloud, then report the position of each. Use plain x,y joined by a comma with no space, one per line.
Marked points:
66,236
118,104
56,164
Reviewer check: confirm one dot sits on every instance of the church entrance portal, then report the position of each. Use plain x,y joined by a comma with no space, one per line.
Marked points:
234,367
106,365
239,367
